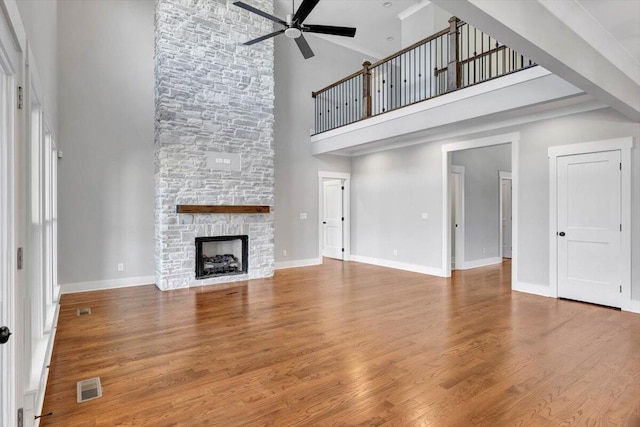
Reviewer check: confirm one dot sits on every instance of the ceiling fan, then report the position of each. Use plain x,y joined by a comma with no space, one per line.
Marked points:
294,26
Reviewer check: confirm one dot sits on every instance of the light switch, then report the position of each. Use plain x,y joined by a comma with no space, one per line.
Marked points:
303,215
425,215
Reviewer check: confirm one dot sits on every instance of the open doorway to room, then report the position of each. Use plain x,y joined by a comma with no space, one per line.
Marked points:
334,227
478,202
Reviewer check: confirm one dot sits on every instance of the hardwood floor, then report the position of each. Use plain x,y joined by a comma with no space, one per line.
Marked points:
345,344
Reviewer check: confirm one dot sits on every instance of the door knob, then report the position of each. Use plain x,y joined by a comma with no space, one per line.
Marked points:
5,333
561,234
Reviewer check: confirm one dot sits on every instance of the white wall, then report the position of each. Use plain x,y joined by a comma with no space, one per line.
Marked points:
482,198
296,170
106,191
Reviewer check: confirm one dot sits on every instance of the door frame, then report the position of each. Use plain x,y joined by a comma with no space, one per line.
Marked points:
509,138
623,145
346,208
504,175
459,237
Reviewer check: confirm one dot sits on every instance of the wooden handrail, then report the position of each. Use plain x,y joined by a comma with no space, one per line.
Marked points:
489,52
413,46
339,82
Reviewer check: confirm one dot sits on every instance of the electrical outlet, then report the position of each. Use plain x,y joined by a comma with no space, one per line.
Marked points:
425,216
284,252
303,215
121,267
395,252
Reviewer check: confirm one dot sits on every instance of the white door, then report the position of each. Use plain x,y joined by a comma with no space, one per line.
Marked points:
505,216
456,199
8,103
333,219
588,232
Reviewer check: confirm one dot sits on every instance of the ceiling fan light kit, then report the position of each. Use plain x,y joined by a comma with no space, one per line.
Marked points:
294,26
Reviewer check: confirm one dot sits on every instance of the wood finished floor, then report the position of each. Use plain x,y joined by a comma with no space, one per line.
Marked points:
345,344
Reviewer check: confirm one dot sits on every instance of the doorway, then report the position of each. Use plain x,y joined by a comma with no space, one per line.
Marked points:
505,219
457,217
484,249
334,226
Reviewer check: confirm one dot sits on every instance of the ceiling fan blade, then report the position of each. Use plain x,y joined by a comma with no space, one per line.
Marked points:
259,12
328,29
304,10
304,47
259,39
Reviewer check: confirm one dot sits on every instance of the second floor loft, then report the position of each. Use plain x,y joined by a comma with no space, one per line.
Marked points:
454,58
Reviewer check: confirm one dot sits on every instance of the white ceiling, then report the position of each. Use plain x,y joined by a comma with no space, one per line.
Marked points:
375,23
620,18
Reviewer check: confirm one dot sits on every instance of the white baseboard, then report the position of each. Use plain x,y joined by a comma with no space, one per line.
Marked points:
399,265
631,305
71,288
481,263
532,288
298,263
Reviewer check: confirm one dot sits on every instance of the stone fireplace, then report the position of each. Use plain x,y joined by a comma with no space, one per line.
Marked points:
213,136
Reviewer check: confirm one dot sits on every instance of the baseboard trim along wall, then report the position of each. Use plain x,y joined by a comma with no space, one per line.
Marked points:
531,288
298,263
72,288
432,271
631,305
481,263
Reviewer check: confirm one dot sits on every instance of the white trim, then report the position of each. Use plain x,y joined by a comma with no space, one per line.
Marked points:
346,238
591,147
431,271
460,243
481,263
512,138
98,285
531,288
623,145
502,175
298,263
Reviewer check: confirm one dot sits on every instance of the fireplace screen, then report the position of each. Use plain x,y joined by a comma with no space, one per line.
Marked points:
221,256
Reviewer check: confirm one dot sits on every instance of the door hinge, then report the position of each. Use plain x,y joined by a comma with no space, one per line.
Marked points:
342,249
620,165
19,259
620,288
343,188
20,98
20,417
343,218
620,227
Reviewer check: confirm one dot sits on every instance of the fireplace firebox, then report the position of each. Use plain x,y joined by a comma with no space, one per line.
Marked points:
221,256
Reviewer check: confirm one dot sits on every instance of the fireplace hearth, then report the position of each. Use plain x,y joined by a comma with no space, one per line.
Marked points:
221,256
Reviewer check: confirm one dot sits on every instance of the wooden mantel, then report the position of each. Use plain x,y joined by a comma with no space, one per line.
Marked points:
222,209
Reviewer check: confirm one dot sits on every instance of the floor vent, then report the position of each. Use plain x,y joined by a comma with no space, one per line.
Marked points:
83,311
89,389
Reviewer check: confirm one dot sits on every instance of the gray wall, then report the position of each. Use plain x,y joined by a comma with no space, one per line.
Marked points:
296,170
106,128
40,20
390,192
533,209
391,188
482,198
425,22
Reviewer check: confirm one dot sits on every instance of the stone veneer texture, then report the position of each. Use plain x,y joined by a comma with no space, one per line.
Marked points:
212,95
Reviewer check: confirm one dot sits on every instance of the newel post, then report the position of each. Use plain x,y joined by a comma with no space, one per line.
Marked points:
453,67
366,89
